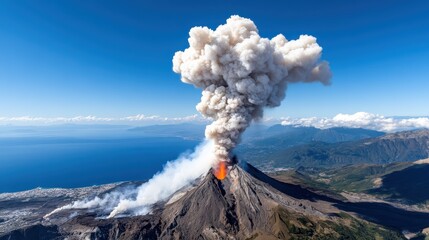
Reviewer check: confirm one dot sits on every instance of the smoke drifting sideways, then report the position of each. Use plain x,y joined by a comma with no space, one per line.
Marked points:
176,175
240,73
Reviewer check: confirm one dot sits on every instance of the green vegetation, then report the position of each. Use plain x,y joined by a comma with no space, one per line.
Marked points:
295,149
388,181
358,178
287,225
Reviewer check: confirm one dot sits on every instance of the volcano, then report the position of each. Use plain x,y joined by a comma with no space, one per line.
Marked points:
246,204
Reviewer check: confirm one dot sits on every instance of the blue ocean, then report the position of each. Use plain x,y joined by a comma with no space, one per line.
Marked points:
78,160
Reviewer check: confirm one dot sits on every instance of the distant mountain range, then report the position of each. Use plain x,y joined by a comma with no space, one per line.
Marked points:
328,148
278,135
269,147
184,130
279,146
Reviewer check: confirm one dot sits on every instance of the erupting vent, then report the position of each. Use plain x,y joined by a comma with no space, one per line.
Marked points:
221,170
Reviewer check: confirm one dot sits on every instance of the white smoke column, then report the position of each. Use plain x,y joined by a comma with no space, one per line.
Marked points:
241,73
175,175
103,204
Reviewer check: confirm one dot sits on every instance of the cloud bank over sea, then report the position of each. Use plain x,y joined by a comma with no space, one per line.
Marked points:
356,120
361,120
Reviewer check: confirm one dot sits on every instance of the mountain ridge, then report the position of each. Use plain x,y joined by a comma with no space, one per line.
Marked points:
247,204
395,147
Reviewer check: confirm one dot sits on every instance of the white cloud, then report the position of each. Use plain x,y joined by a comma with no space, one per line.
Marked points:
356,120
135,119
361,120
142,117
54,119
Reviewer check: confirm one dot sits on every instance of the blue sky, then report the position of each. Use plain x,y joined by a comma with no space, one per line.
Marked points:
113,58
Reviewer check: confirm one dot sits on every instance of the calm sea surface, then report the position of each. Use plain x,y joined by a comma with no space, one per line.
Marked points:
31,162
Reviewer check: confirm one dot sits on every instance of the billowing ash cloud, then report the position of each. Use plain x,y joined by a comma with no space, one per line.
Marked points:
240,73
361,120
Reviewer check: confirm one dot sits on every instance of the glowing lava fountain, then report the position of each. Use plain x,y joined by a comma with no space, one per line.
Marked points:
221,170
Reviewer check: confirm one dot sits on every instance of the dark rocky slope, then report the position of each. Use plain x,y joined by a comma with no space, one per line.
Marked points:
246,205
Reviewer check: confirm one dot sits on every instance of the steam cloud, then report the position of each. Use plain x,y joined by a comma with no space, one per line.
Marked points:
241,73
175,175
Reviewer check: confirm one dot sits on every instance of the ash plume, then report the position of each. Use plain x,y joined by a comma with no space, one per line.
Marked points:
240,73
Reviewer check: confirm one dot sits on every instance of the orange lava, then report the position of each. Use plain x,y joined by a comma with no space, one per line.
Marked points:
221,170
